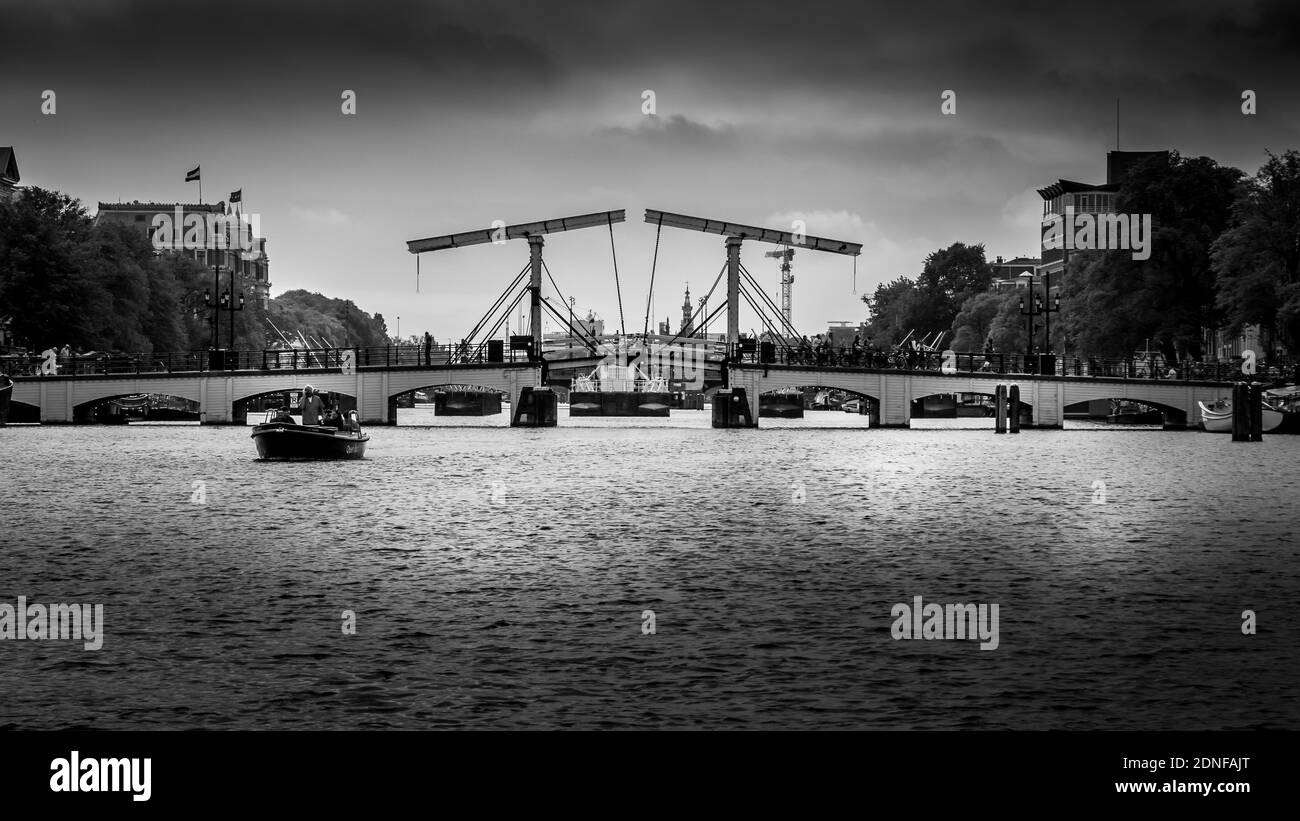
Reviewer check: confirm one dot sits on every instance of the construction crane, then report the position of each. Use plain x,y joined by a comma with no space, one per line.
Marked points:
787,279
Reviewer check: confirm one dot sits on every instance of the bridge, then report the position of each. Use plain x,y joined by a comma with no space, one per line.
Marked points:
737,370
373,377
376,377
1048,385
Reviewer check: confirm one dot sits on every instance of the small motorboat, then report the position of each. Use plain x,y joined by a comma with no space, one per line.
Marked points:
290,440
1217,417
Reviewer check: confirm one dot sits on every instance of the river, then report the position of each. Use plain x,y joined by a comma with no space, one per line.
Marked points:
501,578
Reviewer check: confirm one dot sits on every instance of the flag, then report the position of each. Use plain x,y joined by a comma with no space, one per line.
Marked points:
237,196
192,175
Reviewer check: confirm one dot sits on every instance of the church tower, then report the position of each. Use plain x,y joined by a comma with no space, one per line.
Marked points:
687,328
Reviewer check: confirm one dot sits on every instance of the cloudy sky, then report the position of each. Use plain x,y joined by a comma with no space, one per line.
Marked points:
766,112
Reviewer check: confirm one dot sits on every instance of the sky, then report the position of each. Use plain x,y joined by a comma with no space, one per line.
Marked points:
765,113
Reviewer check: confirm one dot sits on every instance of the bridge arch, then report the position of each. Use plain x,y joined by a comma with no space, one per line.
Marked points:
104,409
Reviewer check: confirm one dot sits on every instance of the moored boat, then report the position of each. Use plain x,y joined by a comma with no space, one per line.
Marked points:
1217,417
1286,400
619,390
1123,412
290,440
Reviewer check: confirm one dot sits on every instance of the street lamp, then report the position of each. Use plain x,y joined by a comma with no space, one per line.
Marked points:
704,317
225,300
1037,307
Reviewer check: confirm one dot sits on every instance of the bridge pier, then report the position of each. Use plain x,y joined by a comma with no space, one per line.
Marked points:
535,408
735,408
215,404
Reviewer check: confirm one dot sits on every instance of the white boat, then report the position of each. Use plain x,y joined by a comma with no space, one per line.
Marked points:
1217,417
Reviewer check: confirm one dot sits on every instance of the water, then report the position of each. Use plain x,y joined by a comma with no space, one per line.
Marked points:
499,577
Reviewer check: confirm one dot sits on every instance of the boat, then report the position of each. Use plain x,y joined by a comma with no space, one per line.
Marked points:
132,408
824,399
619,390
6,391
938,406
290,440
858,406
1123,412
1217,416
1285,400
781,405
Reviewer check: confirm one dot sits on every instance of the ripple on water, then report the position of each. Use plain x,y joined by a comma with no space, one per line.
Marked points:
499,578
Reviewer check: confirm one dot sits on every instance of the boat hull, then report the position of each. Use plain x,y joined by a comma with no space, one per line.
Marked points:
284,440
619,403
1220,421
6,391
786,406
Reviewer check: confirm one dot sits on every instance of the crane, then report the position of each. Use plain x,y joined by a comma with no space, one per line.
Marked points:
787,279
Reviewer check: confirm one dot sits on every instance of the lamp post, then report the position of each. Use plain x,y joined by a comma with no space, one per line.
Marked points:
220,301
704,317
1037,307
207,303
228,304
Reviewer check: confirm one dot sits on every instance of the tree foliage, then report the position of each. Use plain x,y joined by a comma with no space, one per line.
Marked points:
332,322
1256,261
1112,303
930,303
66,281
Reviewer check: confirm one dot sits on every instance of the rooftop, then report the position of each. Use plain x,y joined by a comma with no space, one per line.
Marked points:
8,165
218,208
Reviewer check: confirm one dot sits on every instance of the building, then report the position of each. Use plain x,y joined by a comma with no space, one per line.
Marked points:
1081,198
842,333
1010,273
688,328
251,267
8,174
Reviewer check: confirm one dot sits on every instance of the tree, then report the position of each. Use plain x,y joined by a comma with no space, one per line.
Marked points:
929,305
1256,260
978,318
1112,304
52,302
332,322
894,310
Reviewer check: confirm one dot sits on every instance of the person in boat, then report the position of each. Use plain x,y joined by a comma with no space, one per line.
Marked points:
311,406
282,415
